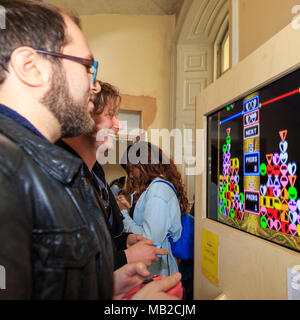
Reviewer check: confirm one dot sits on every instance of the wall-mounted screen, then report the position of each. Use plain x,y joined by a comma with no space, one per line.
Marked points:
253,176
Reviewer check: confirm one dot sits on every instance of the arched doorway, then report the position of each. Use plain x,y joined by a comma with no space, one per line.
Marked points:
201,29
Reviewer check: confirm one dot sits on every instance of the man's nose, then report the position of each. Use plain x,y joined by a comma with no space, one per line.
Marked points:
117,124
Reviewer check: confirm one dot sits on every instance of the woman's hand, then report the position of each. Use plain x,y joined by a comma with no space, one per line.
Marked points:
134,238
122,202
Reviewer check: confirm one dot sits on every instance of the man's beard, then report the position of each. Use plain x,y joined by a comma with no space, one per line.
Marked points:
72,115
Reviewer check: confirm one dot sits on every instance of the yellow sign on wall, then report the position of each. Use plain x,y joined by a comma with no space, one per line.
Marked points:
210,256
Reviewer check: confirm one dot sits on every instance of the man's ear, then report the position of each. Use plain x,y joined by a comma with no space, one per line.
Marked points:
29,67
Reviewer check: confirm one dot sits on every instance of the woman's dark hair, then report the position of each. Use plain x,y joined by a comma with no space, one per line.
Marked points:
34,24
153,163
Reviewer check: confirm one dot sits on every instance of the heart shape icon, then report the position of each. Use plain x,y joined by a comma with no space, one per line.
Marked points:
270,223
293,229
237,179
241,206
298,205
263,211
284,181
270,191
293,206
277,192
283,146
292,168
284,169
263,190
276,170
276,159
284,157
269,170
277,225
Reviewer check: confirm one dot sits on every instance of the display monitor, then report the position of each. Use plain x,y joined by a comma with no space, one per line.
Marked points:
253,176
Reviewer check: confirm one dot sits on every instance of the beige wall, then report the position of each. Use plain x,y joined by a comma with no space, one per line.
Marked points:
259,20
134,55
249,267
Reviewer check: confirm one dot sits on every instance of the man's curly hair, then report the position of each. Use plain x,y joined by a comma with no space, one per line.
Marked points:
101,98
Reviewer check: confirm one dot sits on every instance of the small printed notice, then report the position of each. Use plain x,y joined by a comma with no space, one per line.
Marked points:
210,256
293,283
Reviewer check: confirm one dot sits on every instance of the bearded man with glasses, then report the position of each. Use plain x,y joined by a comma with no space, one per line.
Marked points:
54,243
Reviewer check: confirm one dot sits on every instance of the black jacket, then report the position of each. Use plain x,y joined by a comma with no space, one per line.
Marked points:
117,227
117,232
54,243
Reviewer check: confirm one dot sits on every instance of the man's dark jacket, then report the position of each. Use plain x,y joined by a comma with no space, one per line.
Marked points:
116,229
54,243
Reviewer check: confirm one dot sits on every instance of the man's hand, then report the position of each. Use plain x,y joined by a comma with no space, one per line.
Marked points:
134,238
156,290
143,252
128,277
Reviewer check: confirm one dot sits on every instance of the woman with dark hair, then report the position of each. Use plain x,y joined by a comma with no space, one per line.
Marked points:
153,178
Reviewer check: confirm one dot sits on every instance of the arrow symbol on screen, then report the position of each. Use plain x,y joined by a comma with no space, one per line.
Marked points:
283,135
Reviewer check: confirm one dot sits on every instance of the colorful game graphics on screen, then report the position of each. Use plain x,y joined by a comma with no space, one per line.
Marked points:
253,145
278,195
231,199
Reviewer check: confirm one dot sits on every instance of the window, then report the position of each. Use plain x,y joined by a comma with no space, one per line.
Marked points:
222,50
225,54
131,122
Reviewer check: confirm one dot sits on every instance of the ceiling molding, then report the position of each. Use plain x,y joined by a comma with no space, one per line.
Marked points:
202,21
210,15
138,7
220,11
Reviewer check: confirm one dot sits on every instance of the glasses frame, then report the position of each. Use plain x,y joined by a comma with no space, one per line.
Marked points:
86,62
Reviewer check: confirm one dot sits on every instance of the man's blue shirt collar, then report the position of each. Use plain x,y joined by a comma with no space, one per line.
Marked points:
12,114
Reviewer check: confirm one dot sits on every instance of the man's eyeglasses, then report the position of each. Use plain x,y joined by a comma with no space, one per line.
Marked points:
91,64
